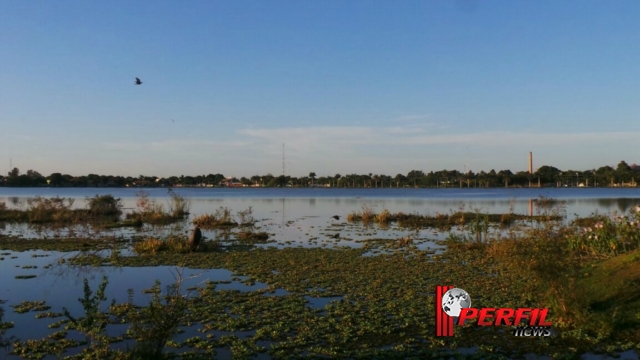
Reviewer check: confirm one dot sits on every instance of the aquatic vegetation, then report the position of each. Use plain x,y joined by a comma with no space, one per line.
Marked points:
444,221
93,324
132,221
16,243
547,202
255,237
60,211
171,244
222,218
104,205
179,206
4,326
245,217
382,218
152,326
48,314
150,211
25,276
50,210
380,296
27,306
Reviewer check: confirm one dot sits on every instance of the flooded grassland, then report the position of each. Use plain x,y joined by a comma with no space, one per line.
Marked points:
106,278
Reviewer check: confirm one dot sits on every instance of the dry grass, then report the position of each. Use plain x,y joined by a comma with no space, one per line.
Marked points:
171,244
222,218
366,214
383,217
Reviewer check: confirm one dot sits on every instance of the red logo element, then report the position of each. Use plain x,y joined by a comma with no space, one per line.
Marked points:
444,322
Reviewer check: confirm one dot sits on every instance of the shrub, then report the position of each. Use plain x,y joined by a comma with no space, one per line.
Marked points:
53,209
104,205
221,218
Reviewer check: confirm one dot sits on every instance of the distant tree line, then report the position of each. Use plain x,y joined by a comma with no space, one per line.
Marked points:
546,176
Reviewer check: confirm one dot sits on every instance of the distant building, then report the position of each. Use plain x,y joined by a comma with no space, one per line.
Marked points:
231,182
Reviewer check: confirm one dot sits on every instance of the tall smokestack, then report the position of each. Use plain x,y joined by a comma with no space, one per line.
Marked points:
530,162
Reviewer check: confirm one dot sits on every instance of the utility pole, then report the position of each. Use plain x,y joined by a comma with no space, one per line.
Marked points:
530,166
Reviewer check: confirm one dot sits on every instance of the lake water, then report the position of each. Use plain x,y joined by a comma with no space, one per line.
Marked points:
293,217
303,216
321,202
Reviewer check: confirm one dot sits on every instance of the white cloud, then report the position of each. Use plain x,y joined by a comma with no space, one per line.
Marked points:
412,117
173,145
302,139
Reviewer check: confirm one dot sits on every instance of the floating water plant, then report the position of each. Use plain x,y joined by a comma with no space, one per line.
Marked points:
27,306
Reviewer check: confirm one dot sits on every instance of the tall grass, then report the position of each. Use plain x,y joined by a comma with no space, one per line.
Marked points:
179,206
150,211
223,218
50,210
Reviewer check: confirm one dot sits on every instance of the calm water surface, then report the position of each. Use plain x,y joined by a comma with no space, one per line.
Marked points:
293,202
294,217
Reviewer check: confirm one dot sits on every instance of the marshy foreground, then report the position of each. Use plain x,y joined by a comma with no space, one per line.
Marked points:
245,294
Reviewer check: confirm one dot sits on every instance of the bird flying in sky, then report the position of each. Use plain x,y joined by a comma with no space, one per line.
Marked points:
138,82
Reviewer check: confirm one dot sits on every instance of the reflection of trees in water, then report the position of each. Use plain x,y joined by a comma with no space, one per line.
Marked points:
222,234
622,204
64,270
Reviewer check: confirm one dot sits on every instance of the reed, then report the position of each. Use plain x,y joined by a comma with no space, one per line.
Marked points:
178,205
366,215
383,217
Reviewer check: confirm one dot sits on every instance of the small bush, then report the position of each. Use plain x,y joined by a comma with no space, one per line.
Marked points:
221,218
104,205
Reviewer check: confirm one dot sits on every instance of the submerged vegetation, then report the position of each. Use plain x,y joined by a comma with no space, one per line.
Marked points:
376,301
442,221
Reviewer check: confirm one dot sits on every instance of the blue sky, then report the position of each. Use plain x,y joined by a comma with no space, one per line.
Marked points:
348,86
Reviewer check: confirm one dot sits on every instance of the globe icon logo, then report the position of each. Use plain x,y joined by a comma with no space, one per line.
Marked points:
455,300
